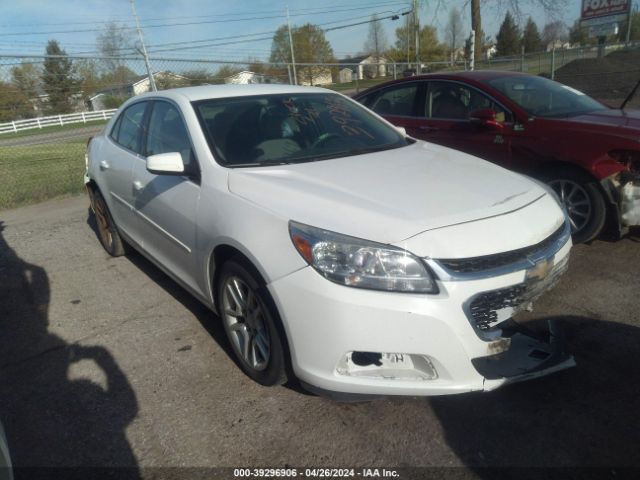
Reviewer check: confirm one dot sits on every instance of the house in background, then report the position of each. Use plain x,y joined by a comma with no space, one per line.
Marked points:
248,77
346,75
136,86
366,66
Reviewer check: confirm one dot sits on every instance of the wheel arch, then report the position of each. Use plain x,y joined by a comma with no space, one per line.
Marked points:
226,251
545,170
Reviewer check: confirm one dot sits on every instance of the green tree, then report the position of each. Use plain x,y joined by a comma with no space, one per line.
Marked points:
58,78
88,75
310,46
579,35
431,50
531,40
508,37
14,105
26,78
635,28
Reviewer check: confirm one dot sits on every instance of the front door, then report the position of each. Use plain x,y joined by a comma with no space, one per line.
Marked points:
448,106
167,205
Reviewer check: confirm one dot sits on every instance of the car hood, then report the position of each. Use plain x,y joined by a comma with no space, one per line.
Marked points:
387,196
610,117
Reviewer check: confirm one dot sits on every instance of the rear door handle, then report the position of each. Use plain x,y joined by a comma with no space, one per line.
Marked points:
137,185
104,165
427,128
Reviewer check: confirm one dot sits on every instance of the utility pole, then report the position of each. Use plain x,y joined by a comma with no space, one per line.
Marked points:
631,10
472,50
144,49
416,26
293,58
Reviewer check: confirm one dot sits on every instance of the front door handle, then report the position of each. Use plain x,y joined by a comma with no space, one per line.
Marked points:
104,165
137,185
427,128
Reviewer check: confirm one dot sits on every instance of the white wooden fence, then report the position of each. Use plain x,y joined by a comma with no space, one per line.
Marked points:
41,122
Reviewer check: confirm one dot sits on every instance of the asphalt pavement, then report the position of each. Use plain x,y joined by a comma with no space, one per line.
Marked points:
107,362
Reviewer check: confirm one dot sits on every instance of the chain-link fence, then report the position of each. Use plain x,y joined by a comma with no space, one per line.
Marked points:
41,158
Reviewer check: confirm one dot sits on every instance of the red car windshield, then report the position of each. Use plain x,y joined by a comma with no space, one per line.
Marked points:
542,97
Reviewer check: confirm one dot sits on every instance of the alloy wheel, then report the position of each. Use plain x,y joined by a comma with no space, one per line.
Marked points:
576,201
245,321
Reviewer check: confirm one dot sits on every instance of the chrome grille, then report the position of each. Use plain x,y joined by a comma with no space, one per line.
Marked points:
498,260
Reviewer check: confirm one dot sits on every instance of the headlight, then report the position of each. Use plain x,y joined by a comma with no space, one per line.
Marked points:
358,263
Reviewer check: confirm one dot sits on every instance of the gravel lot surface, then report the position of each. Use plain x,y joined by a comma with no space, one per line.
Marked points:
108,362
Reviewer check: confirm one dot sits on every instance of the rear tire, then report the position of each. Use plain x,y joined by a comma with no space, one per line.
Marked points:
107,230
583,200
251,322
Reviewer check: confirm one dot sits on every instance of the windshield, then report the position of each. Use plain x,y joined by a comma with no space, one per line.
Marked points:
291,128
542,97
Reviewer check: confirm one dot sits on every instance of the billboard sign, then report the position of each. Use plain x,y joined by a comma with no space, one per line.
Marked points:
604,8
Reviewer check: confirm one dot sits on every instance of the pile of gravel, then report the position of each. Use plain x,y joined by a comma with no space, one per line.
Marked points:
608,79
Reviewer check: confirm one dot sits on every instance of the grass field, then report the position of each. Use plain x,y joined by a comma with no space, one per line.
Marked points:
29,174
52,129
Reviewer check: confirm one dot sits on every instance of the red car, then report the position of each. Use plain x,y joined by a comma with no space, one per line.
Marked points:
587,152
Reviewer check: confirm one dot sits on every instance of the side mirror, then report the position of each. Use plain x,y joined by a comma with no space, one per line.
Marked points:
166,164
486,117
402,131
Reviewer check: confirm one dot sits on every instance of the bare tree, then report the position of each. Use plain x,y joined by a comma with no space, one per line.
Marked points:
549,6
114,42
376,42
553,32
453,32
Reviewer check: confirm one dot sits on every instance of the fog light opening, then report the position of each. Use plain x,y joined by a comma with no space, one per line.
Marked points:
387,366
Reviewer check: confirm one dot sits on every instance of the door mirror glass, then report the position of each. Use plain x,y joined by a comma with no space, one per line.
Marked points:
166,164
486,117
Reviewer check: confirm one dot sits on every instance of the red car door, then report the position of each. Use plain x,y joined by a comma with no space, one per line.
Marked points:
401,104
448,121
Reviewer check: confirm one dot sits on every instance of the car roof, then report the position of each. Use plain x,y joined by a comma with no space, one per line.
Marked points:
231,90
475,75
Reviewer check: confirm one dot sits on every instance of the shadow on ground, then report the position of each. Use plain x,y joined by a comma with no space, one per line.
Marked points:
586,416
50,419
209,320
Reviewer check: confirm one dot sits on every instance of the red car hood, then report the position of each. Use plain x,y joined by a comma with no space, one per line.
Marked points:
610,117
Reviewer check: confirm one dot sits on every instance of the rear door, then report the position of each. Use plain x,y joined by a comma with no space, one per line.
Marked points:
116,162
448,105
401,104
166,205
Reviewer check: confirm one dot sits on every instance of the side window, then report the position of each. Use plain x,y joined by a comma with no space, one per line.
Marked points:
167,133
396,100
449,100
128,128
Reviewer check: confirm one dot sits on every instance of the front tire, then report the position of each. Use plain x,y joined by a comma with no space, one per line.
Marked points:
251,322
107,230
583,201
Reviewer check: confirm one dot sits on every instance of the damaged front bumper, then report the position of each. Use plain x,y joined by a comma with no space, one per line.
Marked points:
528,355
355,344
623,190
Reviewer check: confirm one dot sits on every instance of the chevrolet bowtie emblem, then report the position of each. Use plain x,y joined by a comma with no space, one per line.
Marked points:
540,270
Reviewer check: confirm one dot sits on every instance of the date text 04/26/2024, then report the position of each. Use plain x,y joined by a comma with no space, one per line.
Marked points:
315,473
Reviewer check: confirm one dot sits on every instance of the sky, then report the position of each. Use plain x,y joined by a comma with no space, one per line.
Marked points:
26,25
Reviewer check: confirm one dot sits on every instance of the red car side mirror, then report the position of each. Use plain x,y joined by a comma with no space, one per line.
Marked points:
486,117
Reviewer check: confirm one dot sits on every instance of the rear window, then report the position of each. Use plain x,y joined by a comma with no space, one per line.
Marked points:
272,129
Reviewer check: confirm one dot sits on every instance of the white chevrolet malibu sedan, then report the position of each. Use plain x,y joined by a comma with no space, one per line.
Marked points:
334,248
